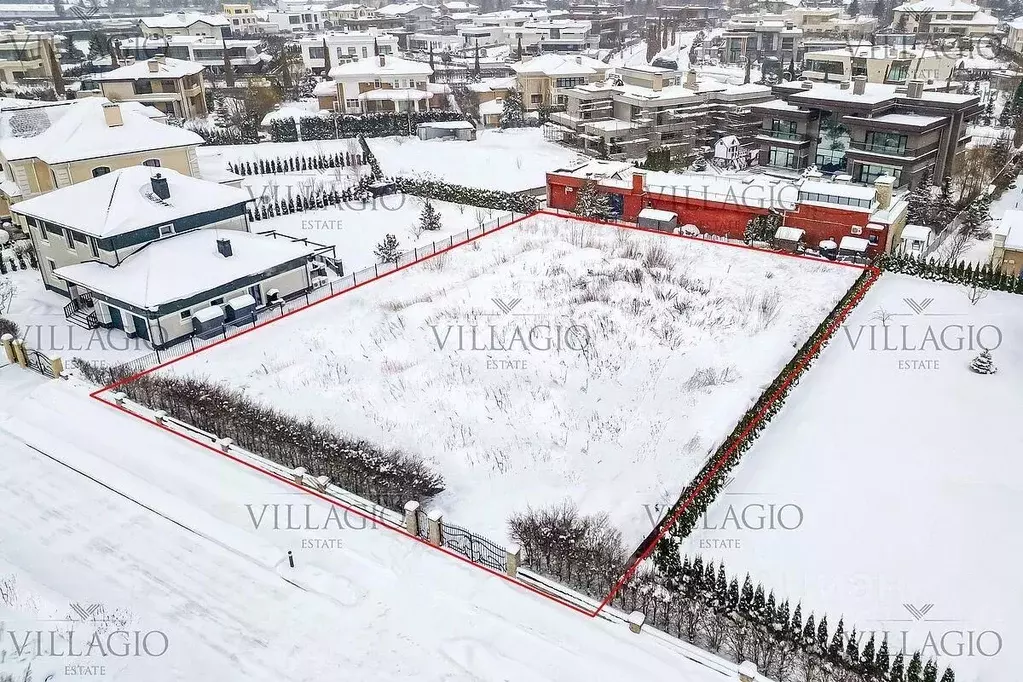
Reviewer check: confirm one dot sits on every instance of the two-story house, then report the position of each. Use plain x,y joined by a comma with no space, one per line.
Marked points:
25,54
752,37
174,86
386,84
544,80
344,47
158,254
943,18
245,53
185,24
417,18
865,130
46,148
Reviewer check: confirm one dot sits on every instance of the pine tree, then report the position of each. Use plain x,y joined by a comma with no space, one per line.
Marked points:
809,633
882,662
945,208
387,251
920,200
837,641
326,58
930,671
868,666
898,672
948,676
429,219
854,8
822,635
593,203
513,112
228,66
914,671
983,364
796,626
852,651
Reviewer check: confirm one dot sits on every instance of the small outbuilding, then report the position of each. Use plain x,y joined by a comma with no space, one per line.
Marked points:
915,239
239,308
446,130
789,239
210,318
853,247
655,219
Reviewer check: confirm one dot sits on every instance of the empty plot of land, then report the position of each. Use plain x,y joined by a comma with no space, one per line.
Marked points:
904,466
548,361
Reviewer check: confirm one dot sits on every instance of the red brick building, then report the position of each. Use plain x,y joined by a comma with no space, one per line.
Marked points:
723,205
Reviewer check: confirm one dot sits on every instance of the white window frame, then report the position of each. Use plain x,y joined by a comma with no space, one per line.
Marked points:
151,163
51,264
186,314
69,240
167,230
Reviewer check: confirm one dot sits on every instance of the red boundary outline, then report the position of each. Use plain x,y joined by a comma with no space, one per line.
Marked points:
665,526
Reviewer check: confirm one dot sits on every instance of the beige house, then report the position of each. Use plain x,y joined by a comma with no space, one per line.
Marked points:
386,84
1008,244
943,18
185,24
67,144
880,63
544,80
174,86
25,54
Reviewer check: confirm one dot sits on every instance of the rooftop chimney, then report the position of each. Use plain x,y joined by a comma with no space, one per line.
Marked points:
844,85
112,115
691,79
224,247
805,85
638,181
578,59
915,88
160,59
859,84
657,82
154,65
160,186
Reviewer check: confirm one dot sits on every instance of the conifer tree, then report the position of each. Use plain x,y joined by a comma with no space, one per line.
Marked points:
882,662
868,666
898,669
948,676
837,641
387,251
914,671
592,203
930,671
822,635
983,364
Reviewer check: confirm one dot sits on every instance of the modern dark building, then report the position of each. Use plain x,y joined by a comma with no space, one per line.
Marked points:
865,130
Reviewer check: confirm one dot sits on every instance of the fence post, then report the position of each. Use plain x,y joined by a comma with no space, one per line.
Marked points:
748,672
412,517
636,620
19,352
8,342
433,529
298,475
514,557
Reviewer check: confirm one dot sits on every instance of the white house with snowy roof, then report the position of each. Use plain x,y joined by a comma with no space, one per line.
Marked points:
385,84
185,24
943,17
46,148
145,249
174,86
545,79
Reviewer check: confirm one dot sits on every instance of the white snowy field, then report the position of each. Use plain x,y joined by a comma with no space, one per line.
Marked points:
39,313
507,160
548,361
101,509
356,229
905,467
224,154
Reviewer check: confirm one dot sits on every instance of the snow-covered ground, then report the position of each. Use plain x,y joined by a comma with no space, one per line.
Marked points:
271,150
630,356
356,229
40,315
507,160
102,510
905,467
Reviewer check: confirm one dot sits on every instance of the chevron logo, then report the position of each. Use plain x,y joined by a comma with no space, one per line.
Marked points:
86,612
920,306
918,612
506,306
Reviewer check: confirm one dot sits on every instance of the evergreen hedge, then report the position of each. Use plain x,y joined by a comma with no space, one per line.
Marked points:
388,477
339,126
297,163
473,196
984,276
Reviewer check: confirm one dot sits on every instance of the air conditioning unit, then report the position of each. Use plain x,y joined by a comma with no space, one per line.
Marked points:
856,229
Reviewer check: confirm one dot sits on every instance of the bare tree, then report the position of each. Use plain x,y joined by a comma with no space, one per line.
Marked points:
883,316
975,294
955,246
7,292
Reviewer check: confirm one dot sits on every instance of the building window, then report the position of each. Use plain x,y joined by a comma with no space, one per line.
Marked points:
316,52
867,173
100,170
217,301
94,246
781,157
50,265
143,87
294,19
166,230
365,52
69,239
185,314
152,163
351,103
534,99
898,72
885,143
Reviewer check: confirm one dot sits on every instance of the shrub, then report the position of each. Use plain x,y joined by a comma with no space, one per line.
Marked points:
9,327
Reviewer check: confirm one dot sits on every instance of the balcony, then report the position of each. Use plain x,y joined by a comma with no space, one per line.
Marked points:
769,135
902,152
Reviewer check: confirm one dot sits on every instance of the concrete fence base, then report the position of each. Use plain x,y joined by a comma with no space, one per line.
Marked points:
8,342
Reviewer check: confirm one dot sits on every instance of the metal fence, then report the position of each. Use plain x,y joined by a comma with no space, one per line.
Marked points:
38,362
476,548
304,300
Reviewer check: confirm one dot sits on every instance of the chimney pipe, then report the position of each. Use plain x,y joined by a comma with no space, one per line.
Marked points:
691,79
859,84
915,89
160,186
883,187
224,247
154,65
112,115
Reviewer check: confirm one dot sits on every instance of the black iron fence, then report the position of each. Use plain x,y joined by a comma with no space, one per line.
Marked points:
38,362
476,548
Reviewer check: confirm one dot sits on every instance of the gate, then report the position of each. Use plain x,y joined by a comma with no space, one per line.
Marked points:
477,549
38,362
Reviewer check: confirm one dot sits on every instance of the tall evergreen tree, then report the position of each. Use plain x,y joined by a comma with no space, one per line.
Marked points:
327,62
476,59
388,251
883,661
931,671
948,676
837,645
898,669
229,67
868,666
822,635
592,203
429,219
914,671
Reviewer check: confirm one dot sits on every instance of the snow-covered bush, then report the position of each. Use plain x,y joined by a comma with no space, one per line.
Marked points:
9,327
983,364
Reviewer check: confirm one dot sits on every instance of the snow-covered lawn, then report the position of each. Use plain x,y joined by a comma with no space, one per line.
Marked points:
356,229
552,360
906,468
40,315
103,510
509,160
271,150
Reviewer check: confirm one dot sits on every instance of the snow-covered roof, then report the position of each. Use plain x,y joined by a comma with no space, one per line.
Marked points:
917,232
399,9
914,120
146,110
152,68
183,266
81,131
123,201
728,141
286,111
325,89
560,65
789,234
384,65
1012,226
184,20
209,313
492,107
937,6
448,125
657,214
491,84
853,244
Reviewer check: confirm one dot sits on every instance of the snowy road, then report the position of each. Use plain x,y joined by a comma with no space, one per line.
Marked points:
102,509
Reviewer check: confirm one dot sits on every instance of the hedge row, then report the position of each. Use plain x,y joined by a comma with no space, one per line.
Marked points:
984,277
340,126
297,163
473,196
388,477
